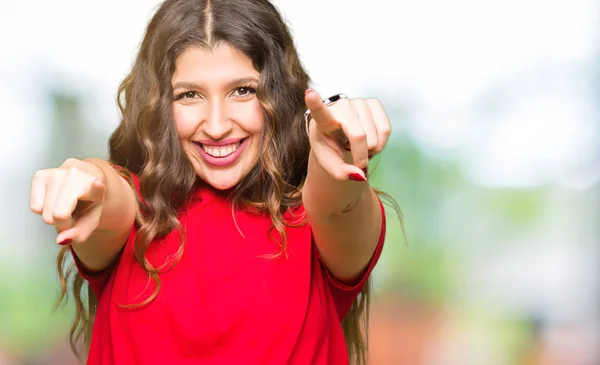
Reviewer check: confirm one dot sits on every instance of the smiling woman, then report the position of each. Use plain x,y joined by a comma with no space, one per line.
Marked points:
220,231
218,116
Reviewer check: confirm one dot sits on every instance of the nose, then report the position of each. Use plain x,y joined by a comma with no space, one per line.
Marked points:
217,125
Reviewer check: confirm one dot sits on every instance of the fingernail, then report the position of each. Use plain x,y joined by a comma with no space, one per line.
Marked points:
65,242
356,177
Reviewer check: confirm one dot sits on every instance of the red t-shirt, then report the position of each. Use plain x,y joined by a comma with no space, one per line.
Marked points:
223,303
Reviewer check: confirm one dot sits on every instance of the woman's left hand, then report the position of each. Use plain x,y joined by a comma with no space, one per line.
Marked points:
363,122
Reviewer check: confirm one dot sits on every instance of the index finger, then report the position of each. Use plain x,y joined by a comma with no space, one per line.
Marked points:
319,112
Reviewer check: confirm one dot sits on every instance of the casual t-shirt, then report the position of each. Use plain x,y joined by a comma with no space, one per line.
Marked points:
225,301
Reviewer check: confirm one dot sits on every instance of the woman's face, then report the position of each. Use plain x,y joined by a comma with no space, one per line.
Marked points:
218,117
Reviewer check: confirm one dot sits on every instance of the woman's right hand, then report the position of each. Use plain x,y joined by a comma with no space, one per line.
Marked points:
70,198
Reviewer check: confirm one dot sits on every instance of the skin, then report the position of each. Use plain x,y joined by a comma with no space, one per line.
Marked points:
215,100
93,209
345,215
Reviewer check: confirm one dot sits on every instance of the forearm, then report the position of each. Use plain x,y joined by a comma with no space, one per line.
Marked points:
116,219
345,218
323,195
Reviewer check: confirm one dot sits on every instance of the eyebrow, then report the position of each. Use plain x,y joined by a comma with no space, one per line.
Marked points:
230,84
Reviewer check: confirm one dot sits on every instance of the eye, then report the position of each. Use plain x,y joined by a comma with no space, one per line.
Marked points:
243,91
186,95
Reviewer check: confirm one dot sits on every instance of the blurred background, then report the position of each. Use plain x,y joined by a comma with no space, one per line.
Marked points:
494,159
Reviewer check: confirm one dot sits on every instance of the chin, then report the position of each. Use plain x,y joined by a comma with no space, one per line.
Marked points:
220,181
221,185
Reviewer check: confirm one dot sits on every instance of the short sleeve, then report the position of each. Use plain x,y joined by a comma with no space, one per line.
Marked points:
98,279
344,294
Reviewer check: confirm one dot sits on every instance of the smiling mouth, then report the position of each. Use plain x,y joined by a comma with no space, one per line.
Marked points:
220,151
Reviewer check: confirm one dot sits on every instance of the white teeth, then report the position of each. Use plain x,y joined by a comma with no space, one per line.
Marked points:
221,151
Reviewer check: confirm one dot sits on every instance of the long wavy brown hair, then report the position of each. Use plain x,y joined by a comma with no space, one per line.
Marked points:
146,143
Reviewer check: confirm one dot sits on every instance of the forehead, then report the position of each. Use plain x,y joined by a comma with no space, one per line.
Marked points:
222,63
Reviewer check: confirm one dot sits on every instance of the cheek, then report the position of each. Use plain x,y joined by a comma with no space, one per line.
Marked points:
186,120
250,116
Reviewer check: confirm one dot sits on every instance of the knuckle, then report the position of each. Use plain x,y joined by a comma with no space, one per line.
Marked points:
47,219
72,170
100,187
35,204
343,102
82,236
359,103
339,175
58,215
373,101
70,162
358,136
39,174
372,137
53,178
377,151
385,130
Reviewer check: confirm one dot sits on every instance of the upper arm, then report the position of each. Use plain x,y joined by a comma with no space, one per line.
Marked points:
347,240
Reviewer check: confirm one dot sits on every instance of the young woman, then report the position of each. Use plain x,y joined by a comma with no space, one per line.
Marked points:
228,227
